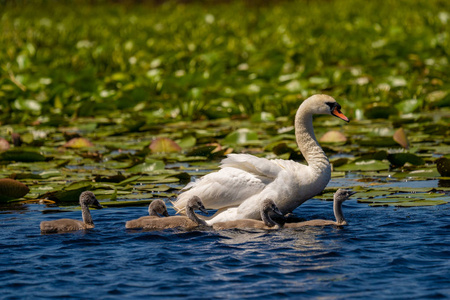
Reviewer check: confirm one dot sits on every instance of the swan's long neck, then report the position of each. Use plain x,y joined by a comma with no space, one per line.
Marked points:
191,215
86,214
337,208
307,143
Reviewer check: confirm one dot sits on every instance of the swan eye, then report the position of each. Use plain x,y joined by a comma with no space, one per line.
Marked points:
332,105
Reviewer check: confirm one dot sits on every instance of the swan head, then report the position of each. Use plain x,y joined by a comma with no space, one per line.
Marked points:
268,205
87,198
324,104
159,207
195,203
341,195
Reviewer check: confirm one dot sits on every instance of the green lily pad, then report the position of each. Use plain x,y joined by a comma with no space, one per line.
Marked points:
399,159
42,175
202,150
241,136
364,165
411,203
380,112
70,194
21,155
188,141
147,167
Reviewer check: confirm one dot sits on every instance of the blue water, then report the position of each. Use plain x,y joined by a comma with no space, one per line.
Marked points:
385,253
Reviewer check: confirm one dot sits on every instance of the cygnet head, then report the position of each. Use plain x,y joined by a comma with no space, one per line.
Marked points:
324,104
87,198
341,195
195,203
268,205
158,206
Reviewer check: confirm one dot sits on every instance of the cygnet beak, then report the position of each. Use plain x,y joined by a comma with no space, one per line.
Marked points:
350,193
278,212
97,205
202,208
165,213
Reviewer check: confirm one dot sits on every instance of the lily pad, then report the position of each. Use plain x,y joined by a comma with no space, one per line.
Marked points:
333,136
164,145
241,136
380,112
443,166
69,194
399,159
147,167
188,141
364,165
21,155
400,137
78,142
4,144
411,203
11,189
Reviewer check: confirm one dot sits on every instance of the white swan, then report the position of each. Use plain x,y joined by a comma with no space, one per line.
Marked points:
245,180
189,222
267,206
87,198
339,197
154,209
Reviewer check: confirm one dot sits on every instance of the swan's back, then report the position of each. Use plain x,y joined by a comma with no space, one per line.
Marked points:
63,225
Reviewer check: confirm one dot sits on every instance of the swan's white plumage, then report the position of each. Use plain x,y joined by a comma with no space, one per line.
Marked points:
244,180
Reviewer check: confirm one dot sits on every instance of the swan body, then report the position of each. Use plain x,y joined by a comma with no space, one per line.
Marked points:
154,209
244,180
87,199
339,197
187,222
267,206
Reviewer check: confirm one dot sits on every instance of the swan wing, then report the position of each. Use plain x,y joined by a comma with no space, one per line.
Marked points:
240,177
254,165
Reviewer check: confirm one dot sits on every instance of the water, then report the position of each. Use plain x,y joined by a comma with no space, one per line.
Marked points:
385,253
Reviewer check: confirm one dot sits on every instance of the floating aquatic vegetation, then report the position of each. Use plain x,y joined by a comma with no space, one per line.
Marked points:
164,145
78,142
443,166
11,189
333,136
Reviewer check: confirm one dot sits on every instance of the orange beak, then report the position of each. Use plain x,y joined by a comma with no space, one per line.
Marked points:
336,112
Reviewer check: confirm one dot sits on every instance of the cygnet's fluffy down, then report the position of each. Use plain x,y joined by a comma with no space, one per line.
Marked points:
87,199
187,222
155,209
